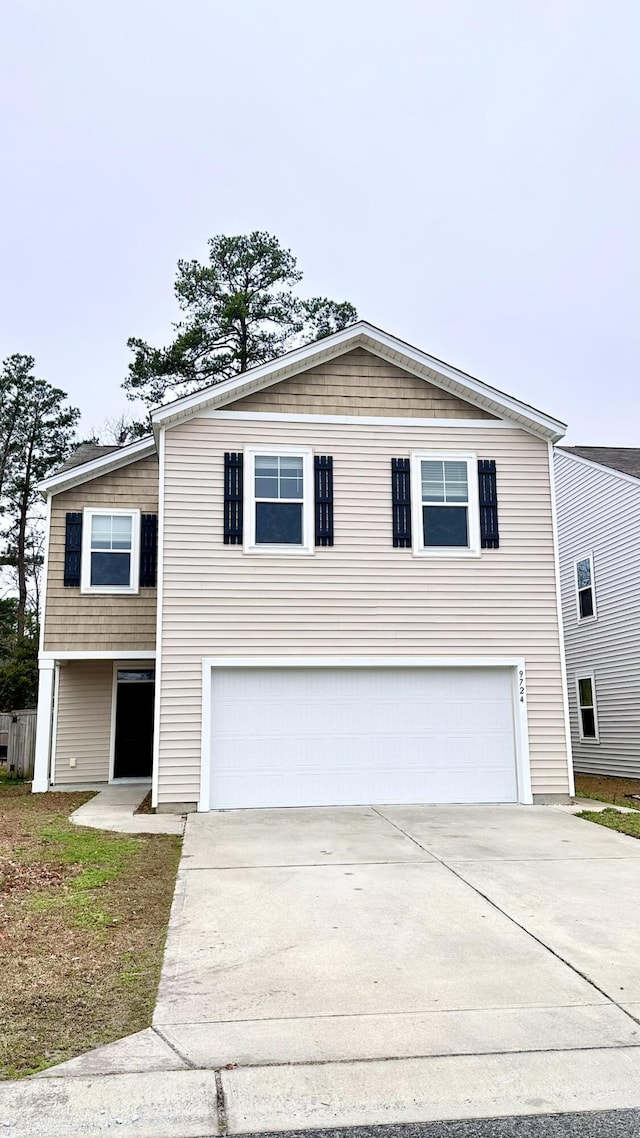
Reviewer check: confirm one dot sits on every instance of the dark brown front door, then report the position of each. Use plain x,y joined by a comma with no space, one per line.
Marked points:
134,723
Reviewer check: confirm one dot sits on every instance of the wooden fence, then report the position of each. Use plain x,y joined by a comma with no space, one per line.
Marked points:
18,742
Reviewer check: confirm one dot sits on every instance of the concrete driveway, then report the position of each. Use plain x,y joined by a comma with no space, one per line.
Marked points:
399,933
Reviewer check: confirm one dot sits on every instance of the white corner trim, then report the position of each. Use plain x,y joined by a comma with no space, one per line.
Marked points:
65,479
521,726
155,768
360,420
390,348
45,573
561,646
48,658
518,687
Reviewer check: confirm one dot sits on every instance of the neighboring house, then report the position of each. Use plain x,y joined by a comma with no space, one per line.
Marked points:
598,495
356,597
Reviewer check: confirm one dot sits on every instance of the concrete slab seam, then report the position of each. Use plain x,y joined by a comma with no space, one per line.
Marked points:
176,1050
221,1105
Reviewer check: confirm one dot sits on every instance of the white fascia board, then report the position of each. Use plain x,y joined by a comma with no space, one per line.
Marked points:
48,658
560,452
363,661
381,344
66,479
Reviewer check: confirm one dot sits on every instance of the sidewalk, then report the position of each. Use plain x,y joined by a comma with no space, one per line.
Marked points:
113,809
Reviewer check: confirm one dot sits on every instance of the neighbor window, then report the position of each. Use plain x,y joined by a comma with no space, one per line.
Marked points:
445,504
279,505
585,588
110,546
587,711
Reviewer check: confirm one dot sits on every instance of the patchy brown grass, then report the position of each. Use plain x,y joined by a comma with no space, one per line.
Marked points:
83,920
605,789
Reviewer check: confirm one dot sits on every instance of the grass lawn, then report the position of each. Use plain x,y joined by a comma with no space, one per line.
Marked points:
615,820
83,920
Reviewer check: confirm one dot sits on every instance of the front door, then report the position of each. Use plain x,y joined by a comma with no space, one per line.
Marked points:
134,723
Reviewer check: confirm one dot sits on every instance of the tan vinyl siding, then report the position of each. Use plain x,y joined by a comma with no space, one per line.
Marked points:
362,597
84,721
599,513
359,383
81,622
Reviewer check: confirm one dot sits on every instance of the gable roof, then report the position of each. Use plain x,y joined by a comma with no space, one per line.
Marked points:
362,335
625,460
90,464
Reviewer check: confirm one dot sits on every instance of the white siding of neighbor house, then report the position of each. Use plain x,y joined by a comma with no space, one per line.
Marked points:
362,597
599,513
83,719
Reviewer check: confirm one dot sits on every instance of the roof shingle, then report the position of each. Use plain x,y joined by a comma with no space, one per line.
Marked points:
624,459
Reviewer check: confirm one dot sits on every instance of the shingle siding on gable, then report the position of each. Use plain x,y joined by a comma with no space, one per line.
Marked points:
76,621
359,383
599,513
361,597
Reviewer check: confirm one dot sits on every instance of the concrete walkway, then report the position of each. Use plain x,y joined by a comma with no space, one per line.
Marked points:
331,968
113,809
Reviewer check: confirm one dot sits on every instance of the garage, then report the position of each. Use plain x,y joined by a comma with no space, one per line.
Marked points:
346,736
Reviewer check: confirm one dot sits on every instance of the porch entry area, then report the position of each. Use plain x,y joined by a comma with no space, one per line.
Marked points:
95,721
133,727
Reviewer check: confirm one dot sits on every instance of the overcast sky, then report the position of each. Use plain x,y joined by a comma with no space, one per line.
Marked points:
466,172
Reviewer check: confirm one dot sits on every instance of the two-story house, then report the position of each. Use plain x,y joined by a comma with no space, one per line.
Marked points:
330,580
598,493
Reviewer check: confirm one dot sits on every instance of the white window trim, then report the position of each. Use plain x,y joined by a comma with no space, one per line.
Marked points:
587,676
473,509
85,575
250,545
585,619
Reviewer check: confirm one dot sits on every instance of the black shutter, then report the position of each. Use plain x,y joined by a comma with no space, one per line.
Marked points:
401,498
488,496
233,499
323,486
72,550
148,550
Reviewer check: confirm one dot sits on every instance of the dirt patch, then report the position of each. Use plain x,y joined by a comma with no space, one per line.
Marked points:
145,806
83,920
606,789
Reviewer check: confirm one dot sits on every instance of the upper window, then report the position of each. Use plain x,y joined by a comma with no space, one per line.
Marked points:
587,711
279,501
445,504
110,551
585,588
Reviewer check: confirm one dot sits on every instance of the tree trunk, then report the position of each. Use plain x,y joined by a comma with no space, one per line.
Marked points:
21,544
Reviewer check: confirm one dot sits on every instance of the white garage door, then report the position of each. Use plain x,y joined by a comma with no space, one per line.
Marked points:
348,736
